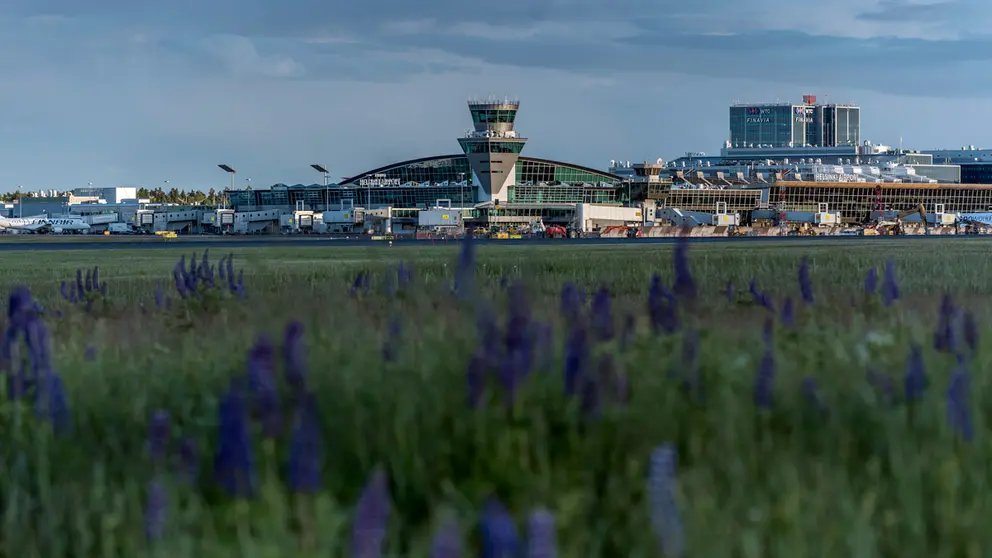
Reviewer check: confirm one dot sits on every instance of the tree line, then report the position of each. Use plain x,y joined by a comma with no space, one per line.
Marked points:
155,195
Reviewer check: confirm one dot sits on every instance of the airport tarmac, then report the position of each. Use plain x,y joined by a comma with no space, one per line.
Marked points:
11,245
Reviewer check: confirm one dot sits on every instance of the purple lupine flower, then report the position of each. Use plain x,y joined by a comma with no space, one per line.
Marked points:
306,449
882,383
475,377
88,283
90,354
518,340
871,281
499,536
890,287
96,279
684,286
180,280
156,510
811,393
789,314
234,464
541,534
970,332
945,336
571,301
576,357
189,461
958,404
666,519
356,285
159,432
915,381
294,358
80,290
262,385
239,289
764,383
229,263
761,298
730,291
447,541
509,378
371,517
64,290
404,274
662,307
221,273
602,316
805,283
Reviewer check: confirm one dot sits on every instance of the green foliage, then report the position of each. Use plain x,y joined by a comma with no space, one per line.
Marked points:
870,479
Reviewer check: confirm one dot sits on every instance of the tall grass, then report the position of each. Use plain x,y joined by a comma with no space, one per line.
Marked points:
836,459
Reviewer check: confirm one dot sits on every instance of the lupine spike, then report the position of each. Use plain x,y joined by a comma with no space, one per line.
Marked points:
156,510
294,356
541,534
159,432
262,383
805,283
447,540
234,464
665,516
371,517
915,381
890,286
871,281
958,404
499,533
602,315
306,449
684,286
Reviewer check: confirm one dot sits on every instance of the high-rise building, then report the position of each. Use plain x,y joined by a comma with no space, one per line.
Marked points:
783,125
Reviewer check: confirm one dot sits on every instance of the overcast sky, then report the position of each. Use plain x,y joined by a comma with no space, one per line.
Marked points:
125,92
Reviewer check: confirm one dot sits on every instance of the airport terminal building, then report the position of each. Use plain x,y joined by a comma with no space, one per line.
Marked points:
489,171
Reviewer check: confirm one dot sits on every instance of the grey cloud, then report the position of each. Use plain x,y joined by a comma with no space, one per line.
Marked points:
903,11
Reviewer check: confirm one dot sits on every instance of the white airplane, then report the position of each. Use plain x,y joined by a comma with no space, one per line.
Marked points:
43,224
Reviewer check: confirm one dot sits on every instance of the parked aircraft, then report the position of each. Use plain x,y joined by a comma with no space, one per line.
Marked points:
42,224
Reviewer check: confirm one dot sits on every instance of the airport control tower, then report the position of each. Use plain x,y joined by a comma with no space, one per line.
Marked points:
493,147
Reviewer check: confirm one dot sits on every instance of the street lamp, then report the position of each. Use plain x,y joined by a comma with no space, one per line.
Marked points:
461,188
230,170
327,198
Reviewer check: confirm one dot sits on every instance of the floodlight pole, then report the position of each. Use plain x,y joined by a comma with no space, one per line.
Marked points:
327,195
230,170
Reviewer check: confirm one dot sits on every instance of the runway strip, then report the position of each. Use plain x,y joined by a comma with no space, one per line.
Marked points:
323,242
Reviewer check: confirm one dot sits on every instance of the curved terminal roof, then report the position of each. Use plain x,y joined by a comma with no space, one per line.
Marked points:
459,159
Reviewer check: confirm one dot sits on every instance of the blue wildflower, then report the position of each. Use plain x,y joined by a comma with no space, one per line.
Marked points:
262,383
684,286
915,381
576,357
945,336
156,510
890,287
729,293
958,405
51,402
306,449
666,519
805,283
159,432
234,464
465,269
90,354
498,532
602,316
447,541
970,332
788,314
541,534
662,307
371,517
871,281
571,302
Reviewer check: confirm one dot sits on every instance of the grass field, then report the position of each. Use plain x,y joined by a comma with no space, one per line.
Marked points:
793,430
